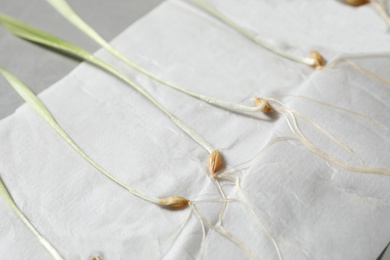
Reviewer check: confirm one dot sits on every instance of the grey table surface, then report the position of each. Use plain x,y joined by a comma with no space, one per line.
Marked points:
39,67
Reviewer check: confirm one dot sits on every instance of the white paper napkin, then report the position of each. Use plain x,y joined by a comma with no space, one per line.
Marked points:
312,208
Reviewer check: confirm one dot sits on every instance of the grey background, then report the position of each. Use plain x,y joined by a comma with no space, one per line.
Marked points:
40,68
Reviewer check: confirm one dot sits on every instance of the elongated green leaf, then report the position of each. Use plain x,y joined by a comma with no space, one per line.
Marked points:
28,96
7,196
41,109
66,10
257,40
27,32
30,33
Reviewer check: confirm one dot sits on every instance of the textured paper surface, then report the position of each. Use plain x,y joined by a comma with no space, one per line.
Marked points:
313,209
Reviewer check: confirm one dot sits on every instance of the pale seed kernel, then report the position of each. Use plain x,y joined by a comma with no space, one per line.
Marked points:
260,102
215,161
317,57
174,202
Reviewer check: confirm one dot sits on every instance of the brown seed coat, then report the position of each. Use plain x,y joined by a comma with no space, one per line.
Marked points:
317,57
215,161
356,2
174,201
267,107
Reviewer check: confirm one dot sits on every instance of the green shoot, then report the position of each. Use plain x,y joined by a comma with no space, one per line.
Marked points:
311,61
41,110
7,196
32,34
67,12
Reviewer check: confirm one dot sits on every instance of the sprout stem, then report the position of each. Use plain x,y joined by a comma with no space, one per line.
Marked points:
256,39
68,13
7,196
40,108
32,34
